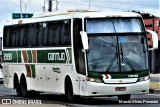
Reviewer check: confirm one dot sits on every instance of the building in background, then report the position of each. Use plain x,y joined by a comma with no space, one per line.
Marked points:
1,47
154,24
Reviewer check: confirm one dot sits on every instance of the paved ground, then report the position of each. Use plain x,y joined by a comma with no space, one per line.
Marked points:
155,83
155,77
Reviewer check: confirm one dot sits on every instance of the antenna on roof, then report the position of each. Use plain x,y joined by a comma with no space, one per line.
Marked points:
21,8
44,7
50,5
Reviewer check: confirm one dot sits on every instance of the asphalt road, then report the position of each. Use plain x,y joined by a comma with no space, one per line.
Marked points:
149,100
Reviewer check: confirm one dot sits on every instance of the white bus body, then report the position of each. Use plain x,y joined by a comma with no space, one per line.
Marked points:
56,63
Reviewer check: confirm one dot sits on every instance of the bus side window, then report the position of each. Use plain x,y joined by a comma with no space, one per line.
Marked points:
78,54
39,33
59,33
66,33
25,36
53,33
6,36
44,35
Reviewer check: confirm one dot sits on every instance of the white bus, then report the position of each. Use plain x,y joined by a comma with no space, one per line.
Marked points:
77,53
1,66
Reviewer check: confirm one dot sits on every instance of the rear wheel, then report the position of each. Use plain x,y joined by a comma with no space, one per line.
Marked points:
18,89
24,89
23,86
124,97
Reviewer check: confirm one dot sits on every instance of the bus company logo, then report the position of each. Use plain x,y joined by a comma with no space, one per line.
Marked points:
132,76
106,76
6,101
57,56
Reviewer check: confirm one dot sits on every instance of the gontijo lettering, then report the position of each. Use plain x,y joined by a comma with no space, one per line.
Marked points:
56,56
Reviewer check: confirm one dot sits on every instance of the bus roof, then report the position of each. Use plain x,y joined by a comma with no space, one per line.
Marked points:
51,16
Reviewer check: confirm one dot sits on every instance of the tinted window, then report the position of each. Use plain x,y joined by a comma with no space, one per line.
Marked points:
79,55
55,33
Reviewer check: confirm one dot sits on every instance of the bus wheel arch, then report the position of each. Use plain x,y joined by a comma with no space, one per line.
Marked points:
16,85
69,92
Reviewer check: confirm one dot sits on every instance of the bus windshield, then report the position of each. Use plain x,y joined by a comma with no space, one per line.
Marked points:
116,45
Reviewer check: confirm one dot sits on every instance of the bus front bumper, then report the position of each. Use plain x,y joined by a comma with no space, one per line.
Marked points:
101,89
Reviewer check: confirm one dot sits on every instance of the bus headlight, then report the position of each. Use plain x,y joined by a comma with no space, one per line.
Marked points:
91,79
143,78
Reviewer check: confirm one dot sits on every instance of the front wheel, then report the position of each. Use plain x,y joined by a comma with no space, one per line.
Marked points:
124,97
69,92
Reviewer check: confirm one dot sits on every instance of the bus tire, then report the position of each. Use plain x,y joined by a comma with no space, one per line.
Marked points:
23,86
124,97
69,91
18,89
17,86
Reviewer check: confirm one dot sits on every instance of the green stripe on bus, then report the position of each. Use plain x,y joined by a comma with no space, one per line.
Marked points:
94,75
144,73
133,75
29,56
10,56
43,56
117,76
33,71
51,56
19,57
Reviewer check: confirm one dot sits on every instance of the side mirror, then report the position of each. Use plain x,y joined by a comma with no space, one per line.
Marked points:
84,38
154,40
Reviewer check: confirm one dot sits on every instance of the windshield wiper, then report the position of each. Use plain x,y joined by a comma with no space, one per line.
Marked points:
113,59
124,57
116,56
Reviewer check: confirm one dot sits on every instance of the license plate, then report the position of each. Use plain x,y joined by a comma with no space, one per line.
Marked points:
120,89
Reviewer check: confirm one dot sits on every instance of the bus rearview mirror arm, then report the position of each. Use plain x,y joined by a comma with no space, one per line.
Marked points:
154,40
84,38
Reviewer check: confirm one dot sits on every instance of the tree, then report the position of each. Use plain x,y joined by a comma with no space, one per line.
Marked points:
144,15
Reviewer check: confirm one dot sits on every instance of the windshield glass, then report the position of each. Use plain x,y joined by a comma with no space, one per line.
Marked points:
112,25
116,53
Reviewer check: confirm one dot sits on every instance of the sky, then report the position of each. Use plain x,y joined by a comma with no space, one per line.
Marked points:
7,7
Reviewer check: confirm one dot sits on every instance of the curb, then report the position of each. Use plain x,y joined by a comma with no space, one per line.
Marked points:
156,91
